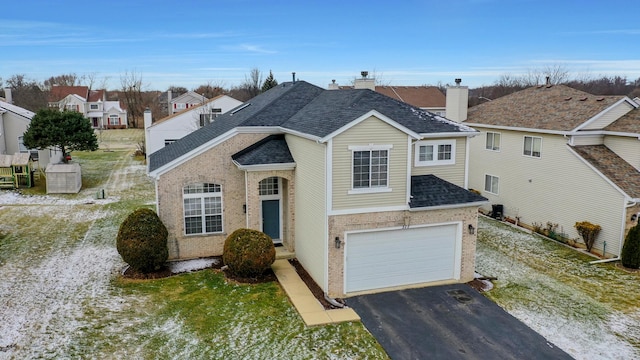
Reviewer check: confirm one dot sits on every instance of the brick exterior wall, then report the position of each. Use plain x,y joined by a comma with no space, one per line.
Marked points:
339,224
213,166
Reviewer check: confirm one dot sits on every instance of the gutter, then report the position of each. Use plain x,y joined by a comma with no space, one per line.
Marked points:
450,206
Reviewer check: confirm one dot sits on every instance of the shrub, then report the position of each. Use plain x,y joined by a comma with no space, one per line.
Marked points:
630,255
588,231
142,241
248,252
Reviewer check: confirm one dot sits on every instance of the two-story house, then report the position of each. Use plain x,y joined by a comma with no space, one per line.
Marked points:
369,192
173,127
554,154
92,104
185,101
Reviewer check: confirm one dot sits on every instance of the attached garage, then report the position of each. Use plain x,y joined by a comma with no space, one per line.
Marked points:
387,258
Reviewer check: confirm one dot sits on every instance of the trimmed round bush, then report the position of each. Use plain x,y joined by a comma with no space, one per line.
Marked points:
630,255
142,241
248,252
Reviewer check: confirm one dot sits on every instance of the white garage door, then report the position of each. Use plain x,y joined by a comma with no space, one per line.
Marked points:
381,259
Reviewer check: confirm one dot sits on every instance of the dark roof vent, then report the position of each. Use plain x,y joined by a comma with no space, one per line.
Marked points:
567,98
364,74
458,81
600,99
583,99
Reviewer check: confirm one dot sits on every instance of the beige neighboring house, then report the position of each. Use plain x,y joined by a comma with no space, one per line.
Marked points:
14,121
92,104
369,192
185,101
173,127
556,154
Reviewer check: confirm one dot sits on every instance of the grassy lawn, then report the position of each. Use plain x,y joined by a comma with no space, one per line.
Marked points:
63,297
590,311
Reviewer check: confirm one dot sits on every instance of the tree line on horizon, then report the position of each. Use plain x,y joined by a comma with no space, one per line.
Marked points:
135,96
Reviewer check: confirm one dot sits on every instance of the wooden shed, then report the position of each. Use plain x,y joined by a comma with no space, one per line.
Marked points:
63,178
16,171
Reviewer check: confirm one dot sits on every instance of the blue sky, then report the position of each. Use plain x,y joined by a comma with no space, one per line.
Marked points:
189,43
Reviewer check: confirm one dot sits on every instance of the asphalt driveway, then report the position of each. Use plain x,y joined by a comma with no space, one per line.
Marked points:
448,322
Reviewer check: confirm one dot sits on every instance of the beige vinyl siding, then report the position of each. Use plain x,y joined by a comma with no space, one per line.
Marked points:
451,173
627,148
371,131
610,116
310,205
557,187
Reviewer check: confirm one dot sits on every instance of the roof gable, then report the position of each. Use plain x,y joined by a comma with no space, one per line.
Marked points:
189,97
271,150
57,93
557,107
628,123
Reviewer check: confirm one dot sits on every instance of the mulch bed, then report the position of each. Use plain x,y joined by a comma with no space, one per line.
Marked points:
311,284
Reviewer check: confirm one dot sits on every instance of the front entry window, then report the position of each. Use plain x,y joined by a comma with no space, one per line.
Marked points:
202,208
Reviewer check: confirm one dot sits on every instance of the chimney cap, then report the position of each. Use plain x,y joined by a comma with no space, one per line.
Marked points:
458,81
364,73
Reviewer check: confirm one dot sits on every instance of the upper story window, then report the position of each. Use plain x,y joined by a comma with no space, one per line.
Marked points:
435,152
179,106
202,208
532,146
93,106
370,168
493,141
72,107
169,141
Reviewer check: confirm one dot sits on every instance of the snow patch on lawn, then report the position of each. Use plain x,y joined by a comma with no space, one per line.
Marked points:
178,267
15,198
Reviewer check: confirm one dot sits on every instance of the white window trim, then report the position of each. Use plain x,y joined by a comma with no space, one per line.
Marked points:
203,215
435,144
532,140
494,141
485,184
375,189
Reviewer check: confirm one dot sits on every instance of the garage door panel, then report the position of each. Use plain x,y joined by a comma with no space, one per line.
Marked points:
390,258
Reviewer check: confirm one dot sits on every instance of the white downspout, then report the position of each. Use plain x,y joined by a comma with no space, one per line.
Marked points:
246,200
621,239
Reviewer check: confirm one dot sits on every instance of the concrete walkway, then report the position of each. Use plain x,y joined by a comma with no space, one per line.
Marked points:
309,308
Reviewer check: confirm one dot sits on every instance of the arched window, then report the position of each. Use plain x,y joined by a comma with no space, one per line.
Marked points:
202,208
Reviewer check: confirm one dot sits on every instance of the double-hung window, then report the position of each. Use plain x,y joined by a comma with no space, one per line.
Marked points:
491,184
114,120
493,141
202,208
532,146
435,152
370,168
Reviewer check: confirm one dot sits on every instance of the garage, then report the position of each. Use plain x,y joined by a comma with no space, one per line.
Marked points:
394,257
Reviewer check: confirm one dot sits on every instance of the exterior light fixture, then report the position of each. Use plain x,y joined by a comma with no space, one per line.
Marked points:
338,242
472,230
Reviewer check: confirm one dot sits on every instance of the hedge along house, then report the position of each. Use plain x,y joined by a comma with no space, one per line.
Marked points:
369,192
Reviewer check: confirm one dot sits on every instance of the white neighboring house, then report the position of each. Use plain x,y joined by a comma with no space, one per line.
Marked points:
185,101
92,104
14,121
173,127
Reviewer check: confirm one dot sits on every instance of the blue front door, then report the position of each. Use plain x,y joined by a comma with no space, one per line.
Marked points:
271,218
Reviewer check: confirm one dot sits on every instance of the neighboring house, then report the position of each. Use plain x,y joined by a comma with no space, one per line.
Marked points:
428,98
92,104
14,121
557,155
173,127
186,101
369,192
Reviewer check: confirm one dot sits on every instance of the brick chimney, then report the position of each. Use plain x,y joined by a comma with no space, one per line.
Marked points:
457,102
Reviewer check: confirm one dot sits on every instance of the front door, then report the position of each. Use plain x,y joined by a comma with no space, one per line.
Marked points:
271,219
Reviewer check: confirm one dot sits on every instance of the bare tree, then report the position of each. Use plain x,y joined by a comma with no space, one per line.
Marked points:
253,82
27,93
211,89
70,79
131,89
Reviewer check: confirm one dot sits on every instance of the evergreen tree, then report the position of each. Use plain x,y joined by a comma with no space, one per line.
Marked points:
269,82
64,130
631,250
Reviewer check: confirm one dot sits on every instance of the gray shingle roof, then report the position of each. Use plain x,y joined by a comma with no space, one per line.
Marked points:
271,150
308,109
623,174
430,190
556,107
